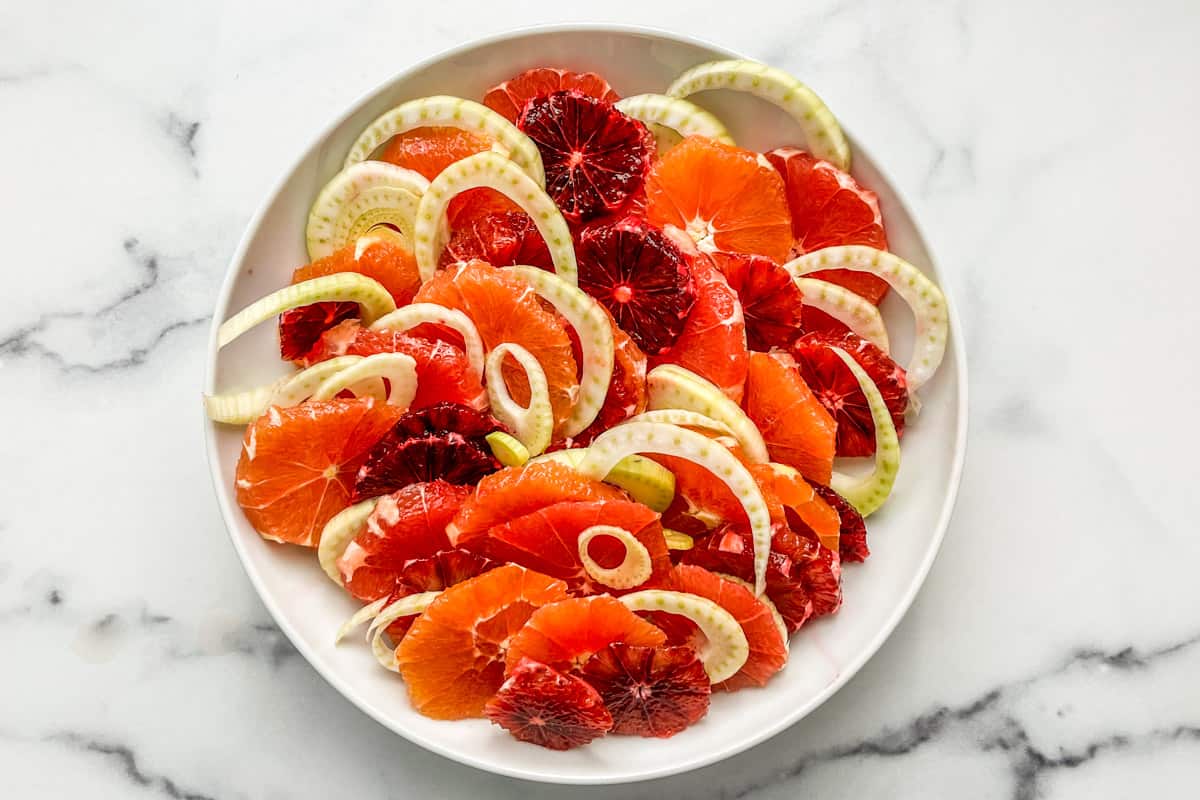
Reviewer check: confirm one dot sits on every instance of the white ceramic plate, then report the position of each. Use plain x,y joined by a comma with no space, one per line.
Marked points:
904,537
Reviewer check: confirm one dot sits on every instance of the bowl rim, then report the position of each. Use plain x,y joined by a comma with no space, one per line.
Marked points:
344,687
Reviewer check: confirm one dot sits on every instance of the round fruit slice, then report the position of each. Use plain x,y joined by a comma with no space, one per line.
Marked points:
681,116
565,634
641,277
410,316
797,428
511,97
650,691
671,440
360,378
771,303
635,567
868,492
533,424
852,535
539,705
399,527
592,326
444,372
671,386
647,482
515,491
829,208
506,311
722,644
491,171
837,388
452,112
713,342
927,302
501,238
722,197
373,299
358,198
297,465
856,313
547,539
822,133
430,149
452,658
595,157
819,568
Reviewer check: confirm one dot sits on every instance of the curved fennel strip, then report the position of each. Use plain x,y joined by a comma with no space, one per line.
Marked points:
241,408
927,302
671,440
399,369
635,568
672,386
404,607
410,316
725,649
852,310
682,116
681,416
358,197
339,532
373,300
823,136
533,426
646,481
367,612
452,112
590,322
870,492
491,171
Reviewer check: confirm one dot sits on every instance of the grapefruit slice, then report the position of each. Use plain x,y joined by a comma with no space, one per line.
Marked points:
297,465
797,428
510,97
567,633
452,658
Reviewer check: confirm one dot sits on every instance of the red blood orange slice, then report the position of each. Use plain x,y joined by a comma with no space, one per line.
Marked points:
771,302
819,568
650,691
722,197
509,98
500,239
798,430
852,535
565,634
829,208
452,658
298,464
540,705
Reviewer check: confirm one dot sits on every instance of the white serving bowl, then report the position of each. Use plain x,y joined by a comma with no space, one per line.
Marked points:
904,537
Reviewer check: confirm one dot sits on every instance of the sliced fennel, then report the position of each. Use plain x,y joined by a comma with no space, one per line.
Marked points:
493,171
241,408
927,302
410,316
359,197
681,416
671,440
635,568
647,481
590,322
725,650
869,492
677,540
533,425
453,112
374,301
682,116
404,607
671,386
822,135
339,532
852,310
399,369
508,450
367,612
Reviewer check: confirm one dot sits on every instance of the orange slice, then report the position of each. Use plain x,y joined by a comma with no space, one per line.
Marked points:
797,429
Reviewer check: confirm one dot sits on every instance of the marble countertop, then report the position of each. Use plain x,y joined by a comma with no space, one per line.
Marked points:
1050,151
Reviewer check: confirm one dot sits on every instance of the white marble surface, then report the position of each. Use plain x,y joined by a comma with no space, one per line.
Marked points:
1050,149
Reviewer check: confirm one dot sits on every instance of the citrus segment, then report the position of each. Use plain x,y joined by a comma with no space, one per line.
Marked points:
501,238
510,97
539,705
771,302
798,430
650,691
430,149
565,634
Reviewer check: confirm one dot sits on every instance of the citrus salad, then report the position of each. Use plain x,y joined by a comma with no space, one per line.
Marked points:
573,376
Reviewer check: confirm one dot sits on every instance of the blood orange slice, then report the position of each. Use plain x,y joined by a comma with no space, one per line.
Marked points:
548,540
836,387
509,98
852,534
500,239
796,427
819,568
515,491
405,525
771,302
829,208
595,157
722,197
505,310
801,499
565,634
540,705
444,373
298,464
650,691
713,341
